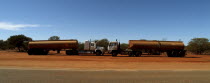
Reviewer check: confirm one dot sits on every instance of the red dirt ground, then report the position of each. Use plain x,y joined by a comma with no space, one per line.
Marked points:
90,61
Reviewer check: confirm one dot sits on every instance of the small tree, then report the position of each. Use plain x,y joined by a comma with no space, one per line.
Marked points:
103,43
3,45
54,38
123,46
81,46
18,41
198,45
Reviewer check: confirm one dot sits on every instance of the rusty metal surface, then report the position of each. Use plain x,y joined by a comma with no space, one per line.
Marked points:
158,45
59,44
170,45
142,44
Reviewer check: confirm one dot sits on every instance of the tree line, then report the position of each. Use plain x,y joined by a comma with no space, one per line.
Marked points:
20,42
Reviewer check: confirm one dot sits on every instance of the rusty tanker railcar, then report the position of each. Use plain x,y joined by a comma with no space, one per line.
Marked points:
43,47
172,48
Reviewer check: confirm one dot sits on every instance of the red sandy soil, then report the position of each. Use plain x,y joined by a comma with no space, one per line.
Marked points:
90,61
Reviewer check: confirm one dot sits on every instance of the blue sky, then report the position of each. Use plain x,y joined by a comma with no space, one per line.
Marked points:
124,20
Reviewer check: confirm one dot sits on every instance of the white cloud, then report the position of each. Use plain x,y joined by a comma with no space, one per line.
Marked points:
11,26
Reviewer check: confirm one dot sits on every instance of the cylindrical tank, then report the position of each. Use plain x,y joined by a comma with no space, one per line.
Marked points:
143,44
58,44
171,45
156,45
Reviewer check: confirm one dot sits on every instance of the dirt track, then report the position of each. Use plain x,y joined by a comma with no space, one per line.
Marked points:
53,60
